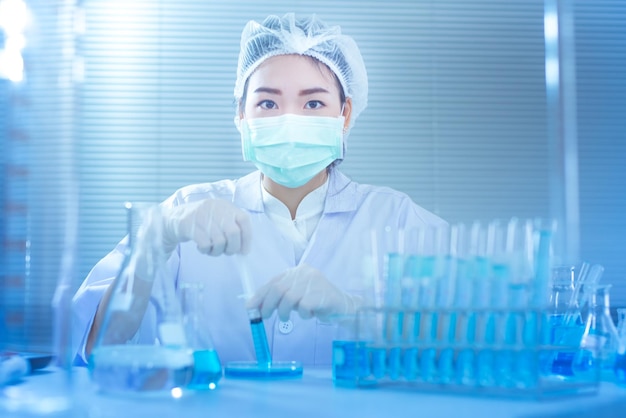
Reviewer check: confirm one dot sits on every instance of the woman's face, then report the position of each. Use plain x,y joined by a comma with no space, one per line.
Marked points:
293,84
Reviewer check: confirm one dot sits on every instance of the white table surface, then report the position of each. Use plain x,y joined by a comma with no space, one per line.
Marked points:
313,395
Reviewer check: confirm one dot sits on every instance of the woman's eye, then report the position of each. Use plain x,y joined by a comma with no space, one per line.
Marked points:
314,104
267,104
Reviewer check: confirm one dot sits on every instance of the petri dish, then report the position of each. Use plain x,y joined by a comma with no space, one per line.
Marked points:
255,370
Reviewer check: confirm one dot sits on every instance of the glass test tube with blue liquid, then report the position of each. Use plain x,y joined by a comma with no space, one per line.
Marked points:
264,367
259,338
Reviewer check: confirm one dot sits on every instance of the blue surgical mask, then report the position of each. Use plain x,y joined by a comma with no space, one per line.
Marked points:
292,149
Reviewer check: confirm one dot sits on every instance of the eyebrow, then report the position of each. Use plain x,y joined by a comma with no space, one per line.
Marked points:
314,90
305,92
267,90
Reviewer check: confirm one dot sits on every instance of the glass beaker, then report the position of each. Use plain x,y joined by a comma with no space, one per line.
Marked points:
152,358
207,369
599,341
619,366
566,326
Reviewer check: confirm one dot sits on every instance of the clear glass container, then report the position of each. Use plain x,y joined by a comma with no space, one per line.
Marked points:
207,370
599,342
619,366
566,326
124,360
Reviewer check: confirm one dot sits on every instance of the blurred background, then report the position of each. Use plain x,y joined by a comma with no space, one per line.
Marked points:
107,101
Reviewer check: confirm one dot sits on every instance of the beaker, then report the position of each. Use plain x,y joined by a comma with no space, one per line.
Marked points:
619,366
156,359
207,369
599,341
566,326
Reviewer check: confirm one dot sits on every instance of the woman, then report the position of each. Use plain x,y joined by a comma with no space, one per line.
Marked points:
297,222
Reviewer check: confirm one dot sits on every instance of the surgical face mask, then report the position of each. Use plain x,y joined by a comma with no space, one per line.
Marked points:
292,149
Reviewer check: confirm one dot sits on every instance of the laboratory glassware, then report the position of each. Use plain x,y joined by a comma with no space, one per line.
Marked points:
619,366
122,360
599,342
207,368
263,367
566,326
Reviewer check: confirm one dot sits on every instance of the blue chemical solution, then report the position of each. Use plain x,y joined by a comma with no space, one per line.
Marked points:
379,362
446,365
259,339
562,364
207,370
410,363
565,335
485,367
620,368
138,368
585,366
465,373
428,367
503,363
350,361
395,363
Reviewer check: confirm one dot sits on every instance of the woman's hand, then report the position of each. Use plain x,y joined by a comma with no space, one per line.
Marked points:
216,226
303,289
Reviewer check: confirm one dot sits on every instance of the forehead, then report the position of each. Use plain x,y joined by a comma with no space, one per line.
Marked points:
293,70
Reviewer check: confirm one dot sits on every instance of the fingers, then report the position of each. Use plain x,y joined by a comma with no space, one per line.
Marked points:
216,226
275,294
245,227
292,299
299,289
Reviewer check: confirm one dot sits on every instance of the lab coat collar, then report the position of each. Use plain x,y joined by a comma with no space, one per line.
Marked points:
248,192
342,193
341,197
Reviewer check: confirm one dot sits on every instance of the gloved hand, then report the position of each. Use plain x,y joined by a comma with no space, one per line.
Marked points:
303,289
217,227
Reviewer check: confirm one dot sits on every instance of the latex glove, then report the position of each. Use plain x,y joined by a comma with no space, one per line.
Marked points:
303,289
216,226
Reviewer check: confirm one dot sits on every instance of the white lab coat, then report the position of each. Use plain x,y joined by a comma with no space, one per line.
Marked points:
339,248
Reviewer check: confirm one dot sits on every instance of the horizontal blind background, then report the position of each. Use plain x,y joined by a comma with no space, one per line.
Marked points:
4,161
601,89
456,114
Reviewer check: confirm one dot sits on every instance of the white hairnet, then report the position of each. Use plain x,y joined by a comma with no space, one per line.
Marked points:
304,36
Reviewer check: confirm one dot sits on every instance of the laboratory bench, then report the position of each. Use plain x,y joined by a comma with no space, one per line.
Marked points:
312,395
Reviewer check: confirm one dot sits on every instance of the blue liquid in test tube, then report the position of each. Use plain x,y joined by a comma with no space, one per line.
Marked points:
259,338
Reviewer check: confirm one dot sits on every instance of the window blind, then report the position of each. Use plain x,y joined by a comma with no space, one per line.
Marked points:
601,89
456,114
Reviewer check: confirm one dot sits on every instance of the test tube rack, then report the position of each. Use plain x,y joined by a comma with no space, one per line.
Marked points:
478,352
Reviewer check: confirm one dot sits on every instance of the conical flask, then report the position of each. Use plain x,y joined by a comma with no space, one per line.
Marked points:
599,341
207,366
141,344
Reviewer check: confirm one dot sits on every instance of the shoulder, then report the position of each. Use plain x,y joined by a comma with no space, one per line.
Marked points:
386,201
222,189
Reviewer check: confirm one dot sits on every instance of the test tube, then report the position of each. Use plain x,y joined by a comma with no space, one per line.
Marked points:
264,367
259,337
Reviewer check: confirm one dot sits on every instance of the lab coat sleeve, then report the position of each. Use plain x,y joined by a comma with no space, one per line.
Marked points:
87,298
